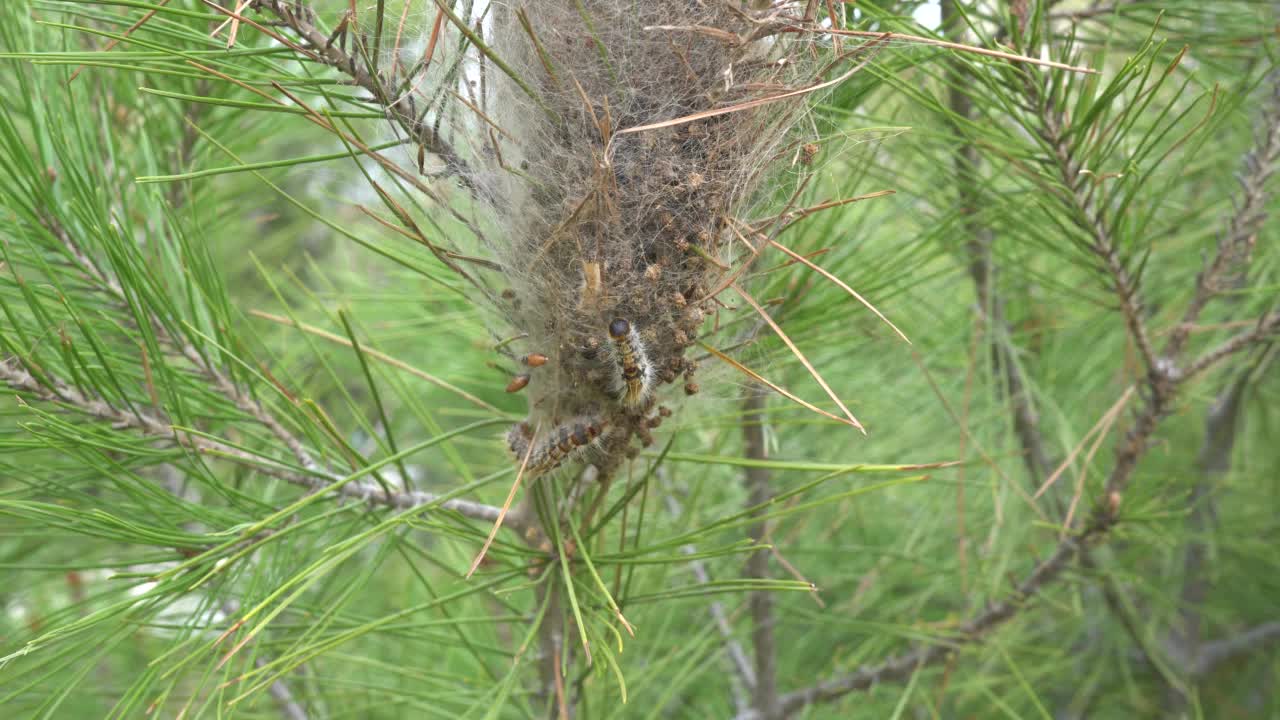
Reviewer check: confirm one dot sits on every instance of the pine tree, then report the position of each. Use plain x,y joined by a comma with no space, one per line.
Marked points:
444,358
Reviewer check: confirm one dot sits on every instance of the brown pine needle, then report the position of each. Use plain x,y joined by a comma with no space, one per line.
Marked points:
235,25
774,387
395,49
480,114
430,52
843,286
225,633
795,216
562,704
799,355
917,40
497,524
1103,431
1105,421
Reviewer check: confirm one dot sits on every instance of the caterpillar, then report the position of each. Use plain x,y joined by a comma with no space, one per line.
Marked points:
635,372
568,442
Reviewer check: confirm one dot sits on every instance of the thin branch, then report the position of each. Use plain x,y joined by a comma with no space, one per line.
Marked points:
1094,11
745,674
153,424
283,695
765,693
1227,269
1266,326
1090,218
1104,517
317,46
1026,422
1221,428
901,667
229,389
280,691
1215,653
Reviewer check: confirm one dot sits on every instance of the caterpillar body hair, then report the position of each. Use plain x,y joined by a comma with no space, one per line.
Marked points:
571,441
635,374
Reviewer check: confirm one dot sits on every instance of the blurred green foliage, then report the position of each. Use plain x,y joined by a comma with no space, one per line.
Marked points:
229,225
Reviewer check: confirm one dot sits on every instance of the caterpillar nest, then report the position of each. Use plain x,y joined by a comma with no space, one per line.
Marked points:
613,235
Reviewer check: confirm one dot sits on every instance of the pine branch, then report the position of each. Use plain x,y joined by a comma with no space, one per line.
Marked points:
1215,653
1094,11
402,108
1227,269
765,691
280,691
317,477
1089,218
745,674
224,385
156,425
1266,326
1026,422
901,667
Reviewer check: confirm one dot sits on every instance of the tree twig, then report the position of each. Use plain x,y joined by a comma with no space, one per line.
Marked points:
279,690
1026,422
1096,10
901,667
745,674
402,109
1266,326
1227,269
765,693
1215,653
154,424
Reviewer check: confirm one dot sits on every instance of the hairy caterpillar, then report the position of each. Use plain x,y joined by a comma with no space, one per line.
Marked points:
635,372
568,442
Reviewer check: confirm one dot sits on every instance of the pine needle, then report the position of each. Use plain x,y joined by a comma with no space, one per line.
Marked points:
799,355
